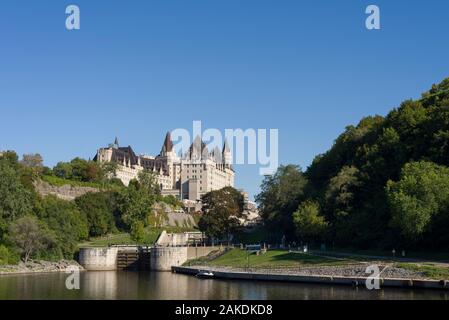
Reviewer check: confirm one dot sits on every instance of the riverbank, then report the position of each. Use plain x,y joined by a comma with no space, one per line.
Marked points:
39,267
313,276
323,267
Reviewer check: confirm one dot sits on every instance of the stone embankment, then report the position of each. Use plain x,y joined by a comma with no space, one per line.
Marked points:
345,275
65,192
39,267
335,271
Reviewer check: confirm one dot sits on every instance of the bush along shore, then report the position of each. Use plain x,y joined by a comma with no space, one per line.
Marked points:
38,266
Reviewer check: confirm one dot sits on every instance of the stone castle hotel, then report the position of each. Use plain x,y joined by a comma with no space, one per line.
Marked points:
188,177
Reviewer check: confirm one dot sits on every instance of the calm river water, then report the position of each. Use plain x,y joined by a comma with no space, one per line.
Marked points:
168,286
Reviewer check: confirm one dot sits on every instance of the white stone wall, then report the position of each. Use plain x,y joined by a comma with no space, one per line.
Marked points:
100,259
163,258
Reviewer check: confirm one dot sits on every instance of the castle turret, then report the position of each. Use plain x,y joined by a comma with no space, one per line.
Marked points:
167,147
226,154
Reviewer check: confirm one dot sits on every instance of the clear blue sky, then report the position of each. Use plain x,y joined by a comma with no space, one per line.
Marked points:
137,69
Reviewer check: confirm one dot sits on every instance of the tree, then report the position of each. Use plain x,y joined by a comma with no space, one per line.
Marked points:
340,195
80,170
34,161
147,183
309,223
15,199
137,232
279,197
421,194
99,209
67,223
221,210
7,256
136,203
28,234
63,170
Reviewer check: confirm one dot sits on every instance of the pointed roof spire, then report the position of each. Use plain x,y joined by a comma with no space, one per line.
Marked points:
226,146
168,143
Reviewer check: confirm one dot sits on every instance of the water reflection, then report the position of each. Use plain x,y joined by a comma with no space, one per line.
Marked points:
167,286
99,285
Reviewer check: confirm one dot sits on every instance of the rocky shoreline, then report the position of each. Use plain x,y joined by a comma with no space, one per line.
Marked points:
39,267
357,270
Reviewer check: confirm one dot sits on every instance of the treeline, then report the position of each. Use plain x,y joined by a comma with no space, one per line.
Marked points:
50,228
76,170
384,183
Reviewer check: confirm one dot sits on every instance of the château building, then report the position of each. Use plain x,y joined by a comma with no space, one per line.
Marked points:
187,177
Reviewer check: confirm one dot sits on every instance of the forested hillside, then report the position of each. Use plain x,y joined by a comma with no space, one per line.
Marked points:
384,182
47,227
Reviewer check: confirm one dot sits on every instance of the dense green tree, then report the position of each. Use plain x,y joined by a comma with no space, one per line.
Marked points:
279,197
138,199
137,232
63,170
340,195
147,183
310,225
221,210
15,199
418,197
99,209
66,221
8,255
80,170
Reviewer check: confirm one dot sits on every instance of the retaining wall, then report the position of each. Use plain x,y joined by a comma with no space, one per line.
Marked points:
163,258
160,258
100,259
353,281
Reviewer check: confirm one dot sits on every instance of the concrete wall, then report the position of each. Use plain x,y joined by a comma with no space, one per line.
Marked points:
198,252
172,239
163,258
100,259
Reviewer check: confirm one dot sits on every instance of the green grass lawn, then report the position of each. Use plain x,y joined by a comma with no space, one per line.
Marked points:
429,270
426,255
151,235
271,259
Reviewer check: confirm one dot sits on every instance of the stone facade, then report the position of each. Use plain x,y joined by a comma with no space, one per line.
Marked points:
188,177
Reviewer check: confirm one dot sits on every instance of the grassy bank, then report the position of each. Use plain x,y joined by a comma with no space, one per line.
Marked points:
421,255
271,259
430,271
